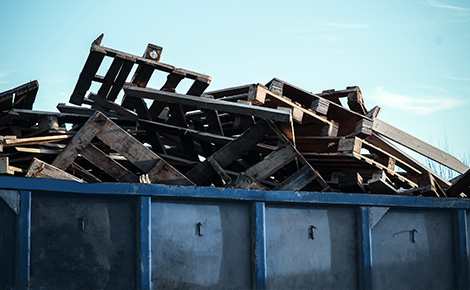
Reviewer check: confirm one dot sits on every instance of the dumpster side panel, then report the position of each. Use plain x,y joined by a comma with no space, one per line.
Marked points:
311,248
200,246
7,246
82,243
412,249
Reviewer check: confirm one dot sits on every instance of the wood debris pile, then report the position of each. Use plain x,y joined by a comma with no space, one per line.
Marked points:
271,137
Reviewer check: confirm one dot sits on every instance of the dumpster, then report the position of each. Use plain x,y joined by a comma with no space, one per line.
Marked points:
60,234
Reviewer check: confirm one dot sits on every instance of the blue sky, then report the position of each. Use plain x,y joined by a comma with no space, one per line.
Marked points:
412,58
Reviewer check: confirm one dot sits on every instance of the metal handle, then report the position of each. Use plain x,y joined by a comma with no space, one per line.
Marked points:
310,232
199,229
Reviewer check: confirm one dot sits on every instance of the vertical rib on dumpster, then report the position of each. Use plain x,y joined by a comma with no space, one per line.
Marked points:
259,232
461,250
144,269
365,249
24,242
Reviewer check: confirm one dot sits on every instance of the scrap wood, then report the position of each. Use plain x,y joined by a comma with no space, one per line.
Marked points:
223,137
21,97
41,169
115,137
461,185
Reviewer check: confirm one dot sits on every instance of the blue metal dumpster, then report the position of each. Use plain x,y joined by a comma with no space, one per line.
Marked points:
58,234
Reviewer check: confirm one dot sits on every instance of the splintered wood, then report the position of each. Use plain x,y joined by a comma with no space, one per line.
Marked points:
266,137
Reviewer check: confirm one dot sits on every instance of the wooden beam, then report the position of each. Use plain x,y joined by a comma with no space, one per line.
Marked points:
300,179
41,169
351,182
272,162
210,104
381,143
83,137
461,185
423,148
202,174
101,160
89,70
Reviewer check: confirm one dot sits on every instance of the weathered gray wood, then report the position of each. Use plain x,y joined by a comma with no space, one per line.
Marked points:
5,166
380,142
83,137
320,106
134,151
164,173
210,104
297,181
423,148
374,112
461,185
98,158
272,162
41,169
202,174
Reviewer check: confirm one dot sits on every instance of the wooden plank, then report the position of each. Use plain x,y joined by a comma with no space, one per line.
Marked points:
423,148
101,160
320,106
164,173
134,151
5,167
35,140
379,184
272,162
24,96
300,179
172,81
202,174
356,102
92,65
260,95
374,112
344,117
461,185
41,169
128,114
246,182
199,86
83,137
109,78
210,104
223,175
82,173
120,80
351,182
146,61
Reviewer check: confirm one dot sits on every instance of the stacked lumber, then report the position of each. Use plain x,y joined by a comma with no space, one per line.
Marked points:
269,137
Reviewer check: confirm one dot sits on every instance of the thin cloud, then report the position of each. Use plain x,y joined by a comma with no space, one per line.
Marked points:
458,78
445,6
344,25
422,105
